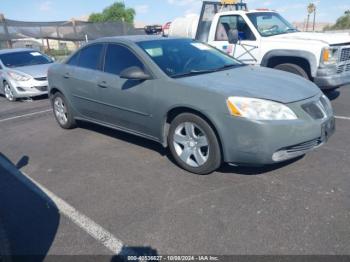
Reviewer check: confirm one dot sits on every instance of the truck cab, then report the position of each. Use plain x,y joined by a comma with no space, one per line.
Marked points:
263,37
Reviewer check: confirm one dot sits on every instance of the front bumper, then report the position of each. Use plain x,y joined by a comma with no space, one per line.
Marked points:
29,88
329,78
247,142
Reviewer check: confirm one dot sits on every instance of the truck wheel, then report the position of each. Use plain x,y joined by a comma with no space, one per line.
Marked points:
294,69
194,144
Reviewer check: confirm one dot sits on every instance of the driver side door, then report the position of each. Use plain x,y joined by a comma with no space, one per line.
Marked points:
247,49
126,103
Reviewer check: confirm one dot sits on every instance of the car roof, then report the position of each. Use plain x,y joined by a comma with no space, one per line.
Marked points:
135,38
15,50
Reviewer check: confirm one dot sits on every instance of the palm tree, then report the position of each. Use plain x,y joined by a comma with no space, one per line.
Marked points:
311,8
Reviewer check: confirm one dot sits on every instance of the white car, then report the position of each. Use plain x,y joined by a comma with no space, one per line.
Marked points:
23,73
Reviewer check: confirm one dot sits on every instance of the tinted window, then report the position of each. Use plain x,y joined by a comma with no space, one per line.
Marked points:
26,58
119,58
179,57
233,22
90,56
74,59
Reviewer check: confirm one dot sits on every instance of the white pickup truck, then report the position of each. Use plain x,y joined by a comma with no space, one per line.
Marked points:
263,37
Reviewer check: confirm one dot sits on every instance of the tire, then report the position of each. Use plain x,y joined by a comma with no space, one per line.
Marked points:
8,92
194,144
63,112
294,69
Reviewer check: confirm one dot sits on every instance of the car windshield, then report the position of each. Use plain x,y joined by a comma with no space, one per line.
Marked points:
25,58
270,24
185,57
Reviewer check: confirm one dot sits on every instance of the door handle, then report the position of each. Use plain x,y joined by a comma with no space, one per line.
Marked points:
103,84
67,75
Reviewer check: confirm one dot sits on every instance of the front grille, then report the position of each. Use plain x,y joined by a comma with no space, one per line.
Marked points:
313,110
318,109
42,88
327,106
41,79
304,146
345,55
343,68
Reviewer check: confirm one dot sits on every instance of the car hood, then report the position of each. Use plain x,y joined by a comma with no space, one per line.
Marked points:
330,39
35,71
255,82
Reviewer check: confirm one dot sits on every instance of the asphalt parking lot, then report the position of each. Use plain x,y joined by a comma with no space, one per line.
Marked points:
112,192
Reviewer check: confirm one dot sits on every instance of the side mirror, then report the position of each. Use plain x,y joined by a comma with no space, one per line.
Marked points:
233,36
134,73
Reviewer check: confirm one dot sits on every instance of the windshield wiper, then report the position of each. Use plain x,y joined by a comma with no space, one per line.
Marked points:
198,72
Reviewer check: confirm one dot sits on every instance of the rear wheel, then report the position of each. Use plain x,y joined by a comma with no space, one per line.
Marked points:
62,112
9,94
194,145
294,69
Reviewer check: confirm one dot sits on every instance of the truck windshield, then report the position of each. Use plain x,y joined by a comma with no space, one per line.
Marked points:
270,24
185,57
25,58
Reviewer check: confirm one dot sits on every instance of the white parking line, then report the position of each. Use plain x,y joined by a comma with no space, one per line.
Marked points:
82,221
26,115
342,117
86,224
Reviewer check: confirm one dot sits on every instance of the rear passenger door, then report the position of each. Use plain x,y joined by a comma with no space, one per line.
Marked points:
83,82
127,103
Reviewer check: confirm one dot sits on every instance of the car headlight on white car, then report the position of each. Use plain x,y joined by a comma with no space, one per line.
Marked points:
259,109
18,76
330,55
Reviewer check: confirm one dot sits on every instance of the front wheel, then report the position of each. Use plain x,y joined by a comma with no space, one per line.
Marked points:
62,112
9,94
194,144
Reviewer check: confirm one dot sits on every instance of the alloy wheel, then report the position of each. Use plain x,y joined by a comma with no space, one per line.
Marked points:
60,111
8,92
191,144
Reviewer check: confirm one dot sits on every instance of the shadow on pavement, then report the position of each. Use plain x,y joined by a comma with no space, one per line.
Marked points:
129,138
255,170
332,95
132,253
29,219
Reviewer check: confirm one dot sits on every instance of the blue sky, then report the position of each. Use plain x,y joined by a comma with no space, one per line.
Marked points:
158,11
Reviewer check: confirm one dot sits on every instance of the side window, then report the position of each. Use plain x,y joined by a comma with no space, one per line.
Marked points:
119,58
73,61
233,22
90,56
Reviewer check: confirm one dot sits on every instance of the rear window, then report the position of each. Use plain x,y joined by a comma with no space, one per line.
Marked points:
26,58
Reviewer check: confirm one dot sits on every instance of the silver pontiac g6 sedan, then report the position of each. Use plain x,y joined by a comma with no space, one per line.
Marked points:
207,107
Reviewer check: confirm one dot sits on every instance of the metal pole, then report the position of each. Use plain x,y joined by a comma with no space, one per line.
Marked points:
313,28
307,23
58,38
74,23
8,40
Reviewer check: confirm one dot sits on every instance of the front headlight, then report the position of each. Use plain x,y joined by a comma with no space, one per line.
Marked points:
259,109
18,76
330,55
